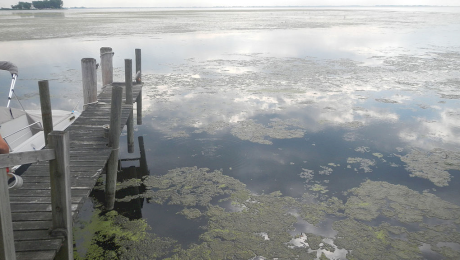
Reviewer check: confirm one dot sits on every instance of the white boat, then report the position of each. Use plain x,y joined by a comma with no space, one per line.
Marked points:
22,129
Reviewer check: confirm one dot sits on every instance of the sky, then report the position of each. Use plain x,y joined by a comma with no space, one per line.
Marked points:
210,3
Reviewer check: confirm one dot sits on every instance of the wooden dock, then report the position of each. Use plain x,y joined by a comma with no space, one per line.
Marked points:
89,152
36,220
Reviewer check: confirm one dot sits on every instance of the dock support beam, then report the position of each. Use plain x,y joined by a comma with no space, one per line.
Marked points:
60,192
107,65
45,103
129,101
138,66
89,79
139,81
114,142
143,158
6,224
139,108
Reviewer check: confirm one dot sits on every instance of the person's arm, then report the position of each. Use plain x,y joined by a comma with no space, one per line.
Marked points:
4,148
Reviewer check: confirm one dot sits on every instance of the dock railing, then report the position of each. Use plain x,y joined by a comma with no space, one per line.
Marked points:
57,153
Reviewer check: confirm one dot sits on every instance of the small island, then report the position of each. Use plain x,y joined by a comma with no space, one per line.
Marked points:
46,4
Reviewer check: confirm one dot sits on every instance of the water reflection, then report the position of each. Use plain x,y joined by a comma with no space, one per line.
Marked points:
132,209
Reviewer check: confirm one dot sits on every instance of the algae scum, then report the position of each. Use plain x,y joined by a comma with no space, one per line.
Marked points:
271,134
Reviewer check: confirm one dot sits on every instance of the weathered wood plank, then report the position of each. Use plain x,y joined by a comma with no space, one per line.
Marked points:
31,216
33,235
76,172
46,179
32,225
38,245
40,200
21,207
7,160
44,193
78,182
37,255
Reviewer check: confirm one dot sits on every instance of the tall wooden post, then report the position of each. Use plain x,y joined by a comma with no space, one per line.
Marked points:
139,108
138,66
114,142
129,80
7,250
45,103
89,79
60,191
139,81
107,65
143,158
129,101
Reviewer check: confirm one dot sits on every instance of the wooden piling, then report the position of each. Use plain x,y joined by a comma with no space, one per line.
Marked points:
114,135
129,80
60,192
6,225
45,103
107,65
139,108
130,132
138,66
89,80
143,158
138,81
129,100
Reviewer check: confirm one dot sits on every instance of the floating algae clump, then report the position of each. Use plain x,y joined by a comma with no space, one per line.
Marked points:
432,165
366,242
362,149
190,186
112,236
319,188
373,198
257,133
314,212
378,155
437,236
237,235
364,164
190,213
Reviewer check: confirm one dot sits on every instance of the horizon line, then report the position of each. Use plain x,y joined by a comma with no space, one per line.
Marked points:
256,6
240,6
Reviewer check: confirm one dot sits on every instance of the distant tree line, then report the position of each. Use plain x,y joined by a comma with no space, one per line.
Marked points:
46,4
22,6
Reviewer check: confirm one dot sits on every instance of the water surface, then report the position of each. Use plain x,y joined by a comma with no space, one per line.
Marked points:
268,133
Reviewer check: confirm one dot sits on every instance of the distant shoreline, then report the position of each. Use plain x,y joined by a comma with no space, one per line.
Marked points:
282,6
243,7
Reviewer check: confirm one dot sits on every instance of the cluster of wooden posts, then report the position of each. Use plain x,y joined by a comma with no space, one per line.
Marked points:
90,97
57,152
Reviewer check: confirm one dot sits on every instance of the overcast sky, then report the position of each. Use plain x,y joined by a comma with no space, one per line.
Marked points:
208,3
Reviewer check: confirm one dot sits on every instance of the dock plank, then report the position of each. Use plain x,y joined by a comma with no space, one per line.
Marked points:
36,255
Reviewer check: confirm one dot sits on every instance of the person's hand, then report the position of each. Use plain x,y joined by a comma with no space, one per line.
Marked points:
14,75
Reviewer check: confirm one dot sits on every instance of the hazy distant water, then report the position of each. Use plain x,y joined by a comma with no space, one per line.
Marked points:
302,101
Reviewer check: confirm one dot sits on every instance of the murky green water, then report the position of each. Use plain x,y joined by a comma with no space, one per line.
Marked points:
288,134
